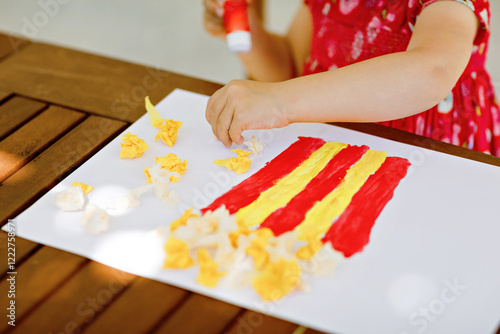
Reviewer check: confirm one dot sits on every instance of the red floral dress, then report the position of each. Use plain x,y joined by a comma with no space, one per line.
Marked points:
349,31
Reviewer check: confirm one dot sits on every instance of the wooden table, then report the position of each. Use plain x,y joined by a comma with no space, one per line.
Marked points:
58,107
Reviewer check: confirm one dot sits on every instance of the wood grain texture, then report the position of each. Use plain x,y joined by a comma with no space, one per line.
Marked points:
17,111
91,83
23,249
10,45
51,267
4,95
199,314
76,302
253,322
39,175
32,138
145,301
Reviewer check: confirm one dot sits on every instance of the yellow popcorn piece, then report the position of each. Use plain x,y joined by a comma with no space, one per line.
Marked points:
241,153
85,187
240,164
183,219
174,179
172,163
168,132
277,279
234,236
154,116
209,276
133,146
178,256
148,175
257,249
308,251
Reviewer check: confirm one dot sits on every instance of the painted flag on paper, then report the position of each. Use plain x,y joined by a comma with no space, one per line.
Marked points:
327,191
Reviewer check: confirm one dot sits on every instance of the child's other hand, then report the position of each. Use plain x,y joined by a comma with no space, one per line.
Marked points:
212,17
244,105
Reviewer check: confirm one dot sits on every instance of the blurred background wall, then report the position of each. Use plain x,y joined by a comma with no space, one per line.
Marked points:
166,34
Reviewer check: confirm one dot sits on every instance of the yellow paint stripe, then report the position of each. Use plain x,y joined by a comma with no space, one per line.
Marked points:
319,218
288,187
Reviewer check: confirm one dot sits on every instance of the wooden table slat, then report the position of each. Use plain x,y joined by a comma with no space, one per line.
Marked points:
383,131
145,301
11,45
4,94
27,184
23,248
253,322
51,267
16,112
91,83
199,314
24,144
76,302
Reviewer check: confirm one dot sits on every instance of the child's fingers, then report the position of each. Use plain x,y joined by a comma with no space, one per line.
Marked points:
214,25
235,131
216,104
215,7
223,125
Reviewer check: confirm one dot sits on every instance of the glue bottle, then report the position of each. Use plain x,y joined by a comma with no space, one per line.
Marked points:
237,27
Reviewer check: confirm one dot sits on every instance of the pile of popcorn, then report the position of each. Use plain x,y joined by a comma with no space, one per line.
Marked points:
237,256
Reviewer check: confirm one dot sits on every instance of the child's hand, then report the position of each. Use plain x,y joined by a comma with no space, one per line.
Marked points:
212,18
244,105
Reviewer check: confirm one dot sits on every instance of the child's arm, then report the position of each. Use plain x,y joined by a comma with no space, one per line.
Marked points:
273,57
383,88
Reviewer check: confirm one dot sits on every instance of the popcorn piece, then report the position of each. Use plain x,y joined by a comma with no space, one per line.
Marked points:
95,220
161,179
209,276
255,145
183,219
277,279
71,199
129,201
133,146
154,116
172,163
308,251
282,246
178,256
168,132
257,249
323,262
85,187
240,164
148,175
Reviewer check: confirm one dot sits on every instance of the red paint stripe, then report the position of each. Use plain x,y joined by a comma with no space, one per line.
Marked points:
288,217
249,190
351,231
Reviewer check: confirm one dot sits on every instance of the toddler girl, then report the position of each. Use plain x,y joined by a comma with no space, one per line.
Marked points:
415,65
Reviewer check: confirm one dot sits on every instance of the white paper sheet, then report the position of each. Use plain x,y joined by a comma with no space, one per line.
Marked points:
432,265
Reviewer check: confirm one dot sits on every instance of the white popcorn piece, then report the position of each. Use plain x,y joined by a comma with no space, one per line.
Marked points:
281,247
71,199
161,181
95,220
255,145
323,262
129,201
